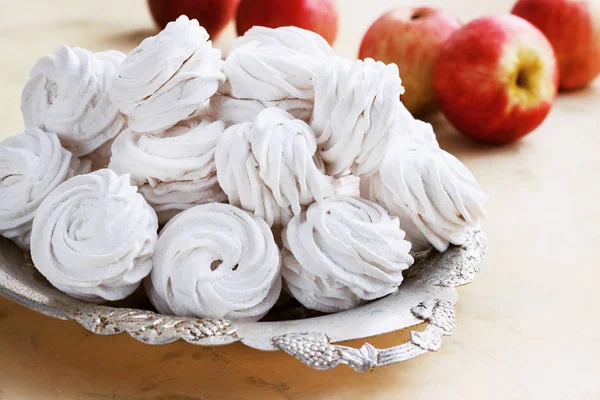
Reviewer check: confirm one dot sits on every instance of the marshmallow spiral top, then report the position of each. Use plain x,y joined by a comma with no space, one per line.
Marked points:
184,152
216,261
175,169
270,167
356,114
270,68
343,252
300,40
285,149
167,77
32,164
239,177
93,237
274,64
67,93
433,193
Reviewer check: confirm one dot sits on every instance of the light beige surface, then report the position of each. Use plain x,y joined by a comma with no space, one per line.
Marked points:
527,327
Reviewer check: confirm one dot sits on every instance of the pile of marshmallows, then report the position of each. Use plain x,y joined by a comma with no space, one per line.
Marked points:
222,154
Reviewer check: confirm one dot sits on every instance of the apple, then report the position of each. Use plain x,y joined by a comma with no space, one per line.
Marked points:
320,16
573,28
213,15
412,39
496,78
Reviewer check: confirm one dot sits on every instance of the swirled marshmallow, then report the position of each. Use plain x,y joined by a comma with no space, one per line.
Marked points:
270,68
285,149
357,113
234,111
175,169
239,177
270,167
67,93
215,261
343,252
435,196
32,164
167,77
170,198
300,40
93,237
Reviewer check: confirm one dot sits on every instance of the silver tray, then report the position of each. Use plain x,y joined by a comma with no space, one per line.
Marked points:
427,295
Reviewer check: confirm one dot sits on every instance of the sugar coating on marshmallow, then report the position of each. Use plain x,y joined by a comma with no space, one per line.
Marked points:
215,261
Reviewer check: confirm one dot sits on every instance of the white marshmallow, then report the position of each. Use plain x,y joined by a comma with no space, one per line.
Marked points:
67,94
291,37
93,237
270,167
433,193
357,112
174,169
270,68
170,198
215,261
167,77
343,252
32,164
234,111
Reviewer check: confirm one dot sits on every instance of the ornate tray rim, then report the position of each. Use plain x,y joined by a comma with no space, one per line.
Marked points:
429,288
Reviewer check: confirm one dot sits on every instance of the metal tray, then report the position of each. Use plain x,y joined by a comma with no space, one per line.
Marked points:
427,295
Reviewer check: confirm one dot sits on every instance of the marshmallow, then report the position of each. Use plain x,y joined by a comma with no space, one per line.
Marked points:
343,252
67,94
291,37
167,77
357,112
234,111
270,68
270,167
435,196
215,261
93,237
170,198
32,164
174,169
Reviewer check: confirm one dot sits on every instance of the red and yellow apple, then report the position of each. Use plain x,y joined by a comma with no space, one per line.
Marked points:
320,16
496,78
573,28
411,38
213,15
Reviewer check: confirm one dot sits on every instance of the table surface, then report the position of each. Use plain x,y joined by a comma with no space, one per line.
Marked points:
527,327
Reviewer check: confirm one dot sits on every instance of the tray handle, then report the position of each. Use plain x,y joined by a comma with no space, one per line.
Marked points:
317,351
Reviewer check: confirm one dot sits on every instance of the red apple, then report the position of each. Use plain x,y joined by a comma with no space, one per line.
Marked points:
320,16
411,38
496,78
573,28
213,15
